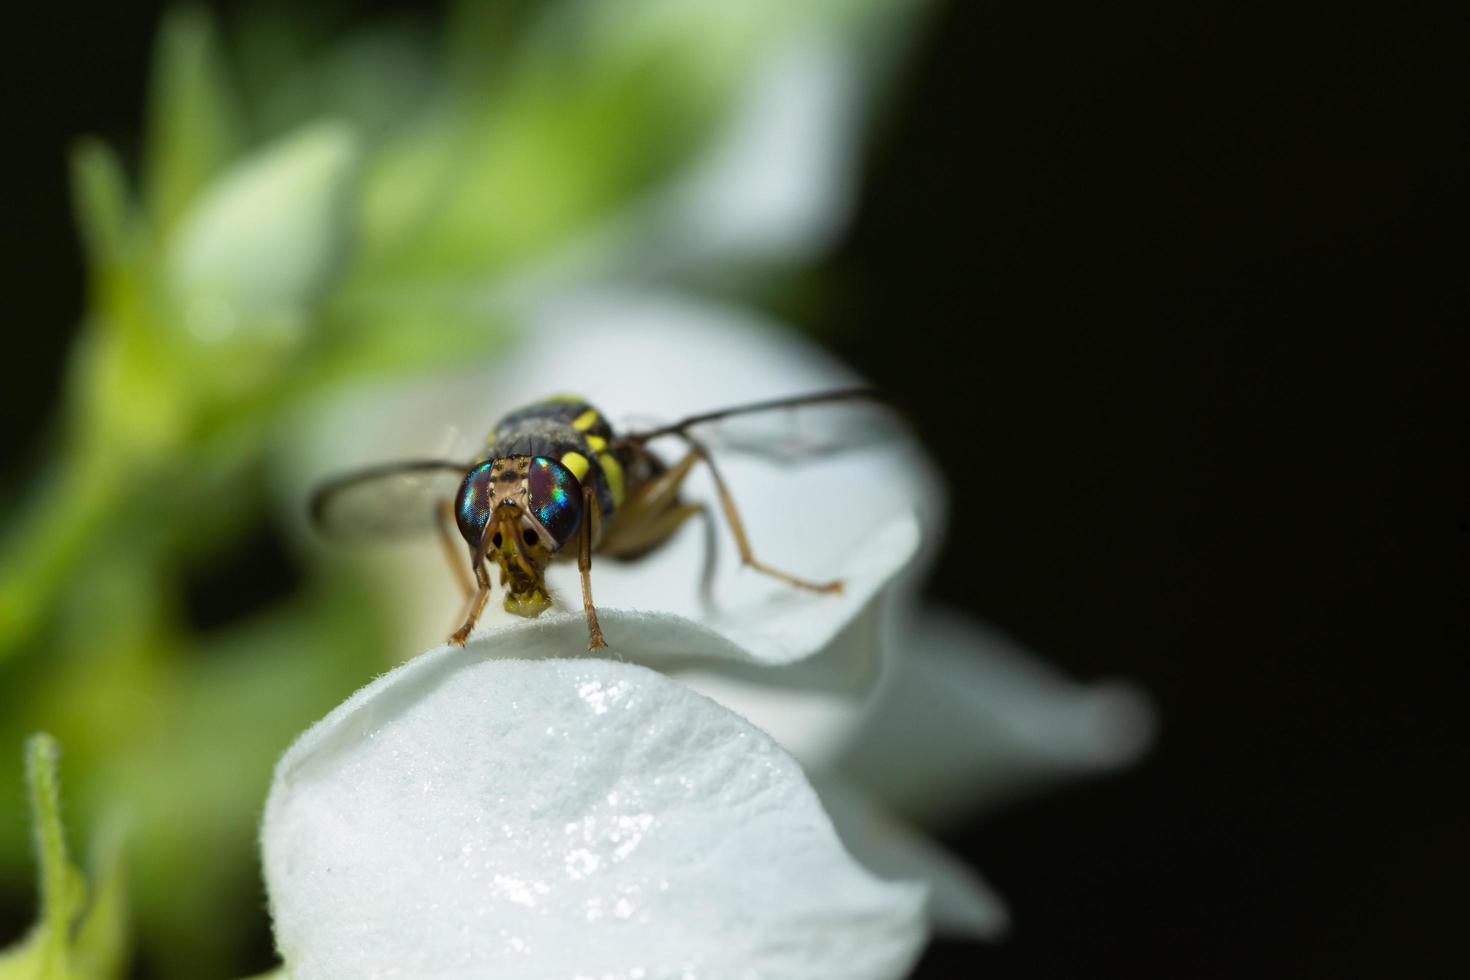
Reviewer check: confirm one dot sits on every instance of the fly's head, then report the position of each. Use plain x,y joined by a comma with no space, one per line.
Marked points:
519,511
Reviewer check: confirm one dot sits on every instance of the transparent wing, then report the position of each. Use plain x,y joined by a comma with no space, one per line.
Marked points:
808,432
793,429
393,499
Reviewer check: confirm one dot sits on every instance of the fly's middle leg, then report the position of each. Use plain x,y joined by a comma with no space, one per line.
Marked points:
445,524
584,565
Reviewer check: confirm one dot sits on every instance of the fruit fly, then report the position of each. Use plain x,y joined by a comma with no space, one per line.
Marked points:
554,482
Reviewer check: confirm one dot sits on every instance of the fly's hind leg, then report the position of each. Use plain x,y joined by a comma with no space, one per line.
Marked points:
651,513
697,453
737,528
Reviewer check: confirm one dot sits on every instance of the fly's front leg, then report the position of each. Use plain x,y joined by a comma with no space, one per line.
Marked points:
477,606
737,528
446,526
584,565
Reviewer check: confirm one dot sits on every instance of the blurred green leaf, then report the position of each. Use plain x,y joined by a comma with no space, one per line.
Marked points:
372,79
100,201
43,542
102,939
251,691
480,38
595,103
411,332
194,126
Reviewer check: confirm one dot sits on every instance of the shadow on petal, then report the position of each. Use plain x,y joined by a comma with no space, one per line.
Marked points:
961,905
965,718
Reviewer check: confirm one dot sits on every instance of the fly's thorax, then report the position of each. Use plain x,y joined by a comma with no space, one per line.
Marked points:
574,433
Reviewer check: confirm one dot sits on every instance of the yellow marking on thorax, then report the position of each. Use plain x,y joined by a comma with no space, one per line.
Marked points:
613,471
585,421
577,463
596,443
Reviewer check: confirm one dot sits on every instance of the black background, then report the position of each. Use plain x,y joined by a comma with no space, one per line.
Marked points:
1177,294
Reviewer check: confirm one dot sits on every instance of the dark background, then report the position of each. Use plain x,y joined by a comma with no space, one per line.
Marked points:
1177,294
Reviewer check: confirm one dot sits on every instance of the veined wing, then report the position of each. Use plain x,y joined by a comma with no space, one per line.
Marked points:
388,500
792,429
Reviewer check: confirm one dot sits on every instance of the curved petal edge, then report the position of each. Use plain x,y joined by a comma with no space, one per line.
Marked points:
467,815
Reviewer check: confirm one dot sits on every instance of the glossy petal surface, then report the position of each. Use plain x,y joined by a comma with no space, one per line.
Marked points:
469,816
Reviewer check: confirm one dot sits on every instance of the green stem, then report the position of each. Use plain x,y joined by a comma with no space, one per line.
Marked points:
41,556
60,887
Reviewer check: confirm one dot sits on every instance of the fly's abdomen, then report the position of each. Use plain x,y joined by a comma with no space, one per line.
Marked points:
574,433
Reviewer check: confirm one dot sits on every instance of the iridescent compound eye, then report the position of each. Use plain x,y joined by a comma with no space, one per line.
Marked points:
556,499
472,505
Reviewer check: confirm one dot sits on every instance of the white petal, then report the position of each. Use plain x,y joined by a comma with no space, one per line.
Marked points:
810,707
964,717
961,905
467,816
778,183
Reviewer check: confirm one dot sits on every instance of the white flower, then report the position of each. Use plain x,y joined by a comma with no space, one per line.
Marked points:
897,712
472,817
